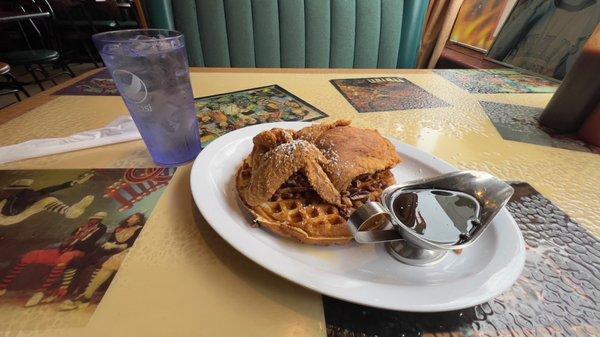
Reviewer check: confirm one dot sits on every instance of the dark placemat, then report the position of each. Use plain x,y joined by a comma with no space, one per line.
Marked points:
385,94
496,81
520,123
98,84
219,114
558,293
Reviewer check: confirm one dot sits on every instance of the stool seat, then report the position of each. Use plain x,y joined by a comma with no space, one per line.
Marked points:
29,56
11,85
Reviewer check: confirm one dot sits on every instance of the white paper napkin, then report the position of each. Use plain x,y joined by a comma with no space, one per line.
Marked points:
120,130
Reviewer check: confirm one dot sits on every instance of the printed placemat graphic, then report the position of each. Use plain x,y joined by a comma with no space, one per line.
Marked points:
63,237
219,114
496,81
385,94
520,123
556,294
98,84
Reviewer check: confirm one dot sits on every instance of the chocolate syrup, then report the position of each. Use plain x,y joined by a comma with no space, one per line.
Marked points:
439,216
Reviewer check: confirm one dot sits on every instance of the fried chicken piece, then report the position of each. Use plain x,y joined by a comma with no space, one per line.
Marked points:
267,140
313,132
274,167
353,152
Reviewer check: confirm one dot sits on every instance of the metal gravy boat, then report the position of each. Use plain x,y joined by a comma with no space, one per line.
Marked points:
420,221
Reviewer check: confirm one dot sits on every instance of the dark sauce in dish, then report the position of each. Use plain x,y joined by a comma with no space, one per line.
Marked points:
440,216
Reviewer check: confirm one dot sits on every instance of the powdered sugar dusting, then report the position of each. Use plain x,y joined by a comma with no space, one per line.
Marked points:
287,151
331,155
290,148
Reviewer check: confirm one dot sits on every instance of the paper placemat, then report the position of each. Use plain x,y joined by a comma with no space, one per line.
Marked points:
385,94
219,114
497,81
520,123
64,235
97,84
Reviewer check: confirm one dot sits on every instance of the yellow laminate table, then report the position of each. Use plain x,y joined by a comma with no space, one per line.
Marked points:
182,279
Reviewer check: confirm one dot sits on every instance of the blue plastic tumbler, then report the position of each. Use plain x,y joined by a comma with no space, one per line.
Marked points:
150,69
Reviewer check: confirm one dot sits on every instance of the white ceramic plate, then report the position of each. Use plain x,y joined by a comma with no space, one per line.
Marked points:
363,274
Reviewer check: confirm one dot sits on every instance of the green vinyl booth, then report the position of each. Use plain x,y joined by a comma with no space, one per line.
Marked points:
295,33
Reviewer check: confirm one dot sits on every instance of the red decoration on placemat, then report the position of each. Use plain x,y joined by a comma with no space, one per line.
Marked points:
137,184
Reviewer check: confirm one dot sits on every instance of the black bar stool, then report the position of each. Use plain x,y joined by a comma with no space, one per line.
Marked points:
12,86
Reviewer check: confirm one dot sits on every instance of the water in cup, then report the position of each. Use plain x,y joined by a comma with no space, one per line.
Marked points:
151,72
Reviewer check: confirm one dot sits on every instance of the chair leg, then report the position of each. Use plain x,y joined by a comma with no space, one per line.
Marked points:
35,78
17,96
16,83
46,74
70,71
23,90
90,54
66,67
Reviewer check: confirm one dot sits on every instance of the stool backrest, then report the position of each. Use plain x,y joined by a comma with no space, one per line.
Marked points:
35,32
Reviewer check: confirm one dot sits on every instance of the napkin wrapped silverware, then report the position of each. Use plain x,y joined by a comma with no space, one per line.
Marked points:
120,130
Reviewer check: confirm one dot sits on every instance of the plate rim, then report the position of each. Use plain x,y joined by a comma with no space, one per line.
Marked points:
255,255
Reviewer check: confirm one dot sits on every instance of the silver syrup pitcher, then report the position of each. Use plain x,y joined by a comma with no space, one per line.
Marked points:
420,221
